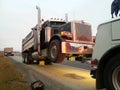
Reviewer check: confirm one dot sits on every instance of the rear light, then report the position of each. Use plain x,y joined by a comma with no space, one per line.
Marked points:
94,63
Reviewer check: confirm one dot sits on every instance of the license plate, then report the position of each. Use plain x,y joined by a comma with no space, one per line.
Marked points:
72,58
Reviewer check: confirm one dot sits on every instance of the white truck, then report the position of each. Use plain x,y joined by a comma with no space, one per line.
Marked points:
8,51
106,56
53,40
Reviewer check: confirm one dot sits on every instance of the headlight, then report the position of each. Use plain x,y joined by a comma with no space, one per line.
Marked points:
66,34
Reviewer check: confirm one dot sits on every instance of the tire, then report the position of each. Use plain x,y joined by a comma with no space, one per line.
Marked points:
24,60
112,73
48,62
54,52
27,61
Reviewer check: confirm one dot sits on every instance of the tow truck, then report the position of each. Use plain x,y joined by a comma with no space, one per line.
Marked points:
106,56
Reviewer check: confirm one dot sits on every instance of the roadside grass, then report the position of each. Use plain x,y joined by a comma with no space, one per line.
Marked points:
10,78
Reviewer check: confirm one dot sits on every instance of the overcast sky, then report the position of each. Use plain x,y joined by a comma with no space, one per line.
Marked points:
17,17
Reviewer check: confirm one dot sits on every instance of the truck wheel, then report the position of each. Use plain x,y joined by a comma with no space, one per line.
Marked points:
24,60
48,62
54,52
112,74
27,61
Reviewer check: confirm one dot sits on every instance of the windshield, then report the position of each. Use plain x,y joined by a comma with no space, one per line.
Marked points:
56,24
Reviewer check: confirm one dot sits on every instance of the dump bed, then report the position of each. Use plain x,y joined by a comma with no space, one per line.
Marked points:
28,42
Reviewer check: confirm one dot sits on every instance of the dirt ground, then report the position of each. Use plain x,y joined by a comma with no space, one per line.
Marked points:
10,78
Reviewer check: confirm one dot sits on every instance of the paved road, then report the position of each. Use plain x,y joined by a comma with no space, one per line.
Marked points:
77,64
58,76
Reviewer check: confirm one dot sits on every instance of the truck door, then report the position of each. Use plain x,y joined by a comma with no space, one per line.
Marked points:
116,30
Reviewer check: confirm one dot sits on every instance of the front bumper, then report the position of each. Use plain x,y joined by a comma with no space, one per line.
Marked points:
76,48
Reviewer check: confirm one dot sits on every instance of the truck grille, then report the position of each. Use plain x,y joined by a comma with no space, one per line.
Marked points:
82,32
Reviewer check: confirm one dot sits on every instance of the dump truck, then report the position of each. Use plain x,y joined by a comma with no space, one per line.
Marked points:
54,40
106,56
8,51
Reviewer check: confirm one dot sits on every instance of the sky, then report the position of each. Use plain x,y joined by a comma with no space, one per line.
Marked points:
17,17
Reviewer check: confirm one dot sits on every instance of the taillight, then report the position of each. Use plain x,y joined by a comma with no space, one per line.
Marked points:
94,63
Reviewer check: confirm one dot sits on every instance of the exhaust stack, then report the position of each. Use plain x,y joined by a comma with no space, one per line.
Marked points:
39,27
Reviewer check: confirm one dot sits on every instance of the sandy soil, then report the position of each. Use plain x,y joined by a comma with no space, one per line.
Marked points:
10,78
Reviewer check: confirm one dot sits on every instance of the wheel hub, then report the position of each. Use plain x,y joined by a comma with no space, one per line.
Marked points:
53,51
116,78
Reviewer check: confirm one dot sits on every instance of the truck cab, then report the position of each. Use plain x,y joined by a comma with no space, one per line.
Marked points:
49,29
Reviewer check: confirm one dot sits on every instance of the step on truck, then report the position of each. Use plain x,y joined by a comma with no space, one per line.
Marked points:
106,56
54,39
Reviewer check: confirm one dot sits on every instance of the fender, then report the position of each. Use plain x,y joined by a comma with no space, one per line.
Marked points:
103,61
56,36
